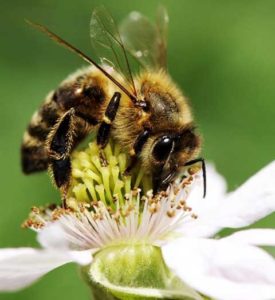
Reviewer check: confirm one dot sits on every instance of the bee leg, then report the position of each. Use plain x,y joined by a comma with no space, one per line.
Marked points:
130,166
61,170
59,145
202,161
104,130
138,145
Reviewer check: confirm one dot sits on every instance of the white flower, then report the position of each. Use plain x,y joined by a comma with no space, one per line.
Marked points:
180,222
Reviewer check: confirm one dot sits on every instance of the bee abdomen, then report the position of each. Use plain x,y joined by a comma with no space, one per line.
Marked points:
38,132
34,157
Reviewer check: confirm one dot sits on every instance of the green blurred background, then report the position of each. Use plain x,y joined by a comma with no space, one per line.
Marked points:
222,53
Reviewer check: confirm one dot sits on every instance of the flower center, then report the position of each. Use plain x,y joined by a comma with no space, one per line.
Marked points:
99,175
106,207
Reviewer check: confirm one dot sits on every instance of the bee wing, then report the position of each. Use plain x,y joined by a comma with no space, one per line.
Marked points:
145,40
107,41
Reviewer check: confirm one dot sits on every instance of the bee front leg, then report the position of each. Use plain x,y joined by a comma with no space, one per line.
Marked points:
138,145
104,129
59,146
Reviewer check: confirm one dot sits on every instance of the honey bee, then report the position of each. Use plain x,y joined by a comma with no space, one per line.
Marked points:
146,114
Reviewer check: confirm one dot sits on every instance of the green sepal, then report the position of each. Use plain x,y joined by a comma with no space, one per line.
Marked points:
134,272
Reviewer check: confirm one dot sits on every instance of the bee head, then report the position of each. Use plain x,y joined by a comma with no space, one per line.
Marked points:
170,152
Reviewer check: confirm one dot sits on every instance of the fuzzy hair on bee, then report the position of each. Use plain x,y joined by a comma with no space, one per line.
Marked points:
146,114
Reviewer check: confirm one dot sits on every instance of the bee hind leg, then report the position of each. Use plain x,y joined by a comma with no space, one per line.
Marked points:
59,146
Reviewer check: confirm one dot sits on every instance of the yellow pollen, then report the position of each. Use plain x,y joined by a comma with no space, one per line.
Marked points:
154,207
171,213
187,208
182,202
162,194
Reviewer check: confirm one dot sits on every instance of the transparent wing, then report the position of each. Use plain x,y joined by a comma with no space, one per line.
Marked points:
162,21
145,40
108,44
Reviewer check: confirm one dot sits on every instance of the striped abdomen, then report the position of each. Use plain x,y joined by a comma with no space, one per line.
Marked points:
83,91
34,156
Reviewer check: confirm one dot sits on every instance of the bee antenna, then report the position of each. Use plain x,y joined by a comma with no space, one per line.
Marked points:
202,161
67,45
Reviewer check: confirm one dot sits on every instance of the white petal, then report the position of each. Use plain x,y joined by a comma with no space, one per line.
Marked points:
254,200
82,257
53,236
261,237
68,233
205,208
223,270
21,267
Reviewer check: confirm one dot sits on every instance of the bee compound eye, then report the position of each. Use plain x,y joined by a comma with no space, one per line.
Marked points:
163,148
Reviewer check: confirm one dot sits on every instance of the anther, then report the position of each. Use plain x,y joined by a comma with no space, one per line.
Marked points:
149,194
35,210
182,202
135,191
194,216
171,213
163,194
115,198
193,170
153,208
187,208
109,209
116,216
143,198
